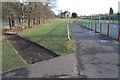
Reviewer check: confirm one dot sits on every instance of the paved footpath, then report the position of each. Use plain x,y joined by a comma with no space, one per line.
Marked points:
59,67
97,55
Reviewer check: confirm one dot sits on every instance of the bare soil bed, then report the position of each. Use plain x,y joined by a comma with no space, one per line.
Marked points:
30,51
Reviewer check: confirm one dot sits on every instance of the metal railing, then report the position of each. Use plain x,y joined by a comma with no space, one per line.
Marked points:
109,29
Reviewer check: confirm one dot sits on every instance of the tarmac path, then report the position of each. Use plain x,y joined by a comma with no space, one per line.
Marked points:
97,54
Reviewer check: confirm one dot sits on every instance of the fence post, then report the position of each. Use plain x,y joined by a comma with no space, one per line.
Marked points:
91,26
108,30
95,27
100,27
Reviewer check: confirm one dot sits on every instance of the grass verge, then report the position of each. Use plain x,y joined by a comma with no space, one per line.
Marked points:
51,35
10,58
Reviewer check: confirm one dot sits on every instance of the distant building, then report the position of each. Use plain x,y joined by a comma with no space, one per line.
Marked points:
65,14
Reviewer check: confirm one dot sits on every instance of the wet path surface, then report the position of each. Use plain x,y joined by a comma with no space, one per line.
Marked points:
97,55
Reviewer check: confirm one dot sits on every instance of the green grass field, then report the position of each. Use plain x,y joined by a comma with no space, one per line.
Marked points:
51,35
10,58
89,20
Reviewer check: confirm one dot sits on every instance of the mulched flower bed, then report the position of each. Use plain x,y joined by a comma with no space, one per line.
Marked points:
30,51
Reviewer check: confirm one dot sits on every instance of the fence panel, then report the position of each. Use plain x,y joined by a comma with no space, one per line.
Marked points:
114,31
104,28
97,27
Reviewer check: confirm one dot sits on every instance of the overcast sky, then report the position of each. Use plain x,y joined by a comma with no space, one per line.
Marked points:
87,7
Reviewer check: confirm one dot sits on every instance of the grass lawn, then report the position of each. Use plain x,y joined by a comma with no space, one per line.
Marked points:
10,58
89,20
52,35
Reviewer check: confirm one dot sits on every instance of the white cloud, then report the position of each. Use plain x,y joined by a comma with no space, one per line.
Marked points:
119,7
88,7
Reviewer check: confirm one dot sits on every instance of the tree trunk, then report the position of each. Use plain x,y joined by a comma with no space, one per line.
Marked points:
10,25
39,20
19,20
33,21
13,22
28,22
43,21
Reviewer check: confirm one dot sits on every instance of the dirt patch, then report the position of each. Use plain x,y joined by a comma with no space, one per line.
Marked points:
30,51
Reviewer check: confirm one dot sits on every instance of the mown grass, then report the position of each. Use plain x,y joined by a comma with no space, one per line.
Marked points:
51,35
10,59
89,20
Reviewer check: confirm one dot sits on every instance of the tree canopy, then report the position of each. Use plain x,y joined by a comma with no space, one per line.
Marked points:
111,11
74,15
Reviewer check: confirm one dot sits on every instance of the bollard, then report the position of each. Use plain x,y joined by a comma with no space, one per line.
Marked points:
100,27
68,34
119,35
108,30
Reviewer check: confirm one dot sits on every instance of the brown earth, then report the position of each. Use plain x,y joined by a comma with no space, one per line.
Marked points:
30,51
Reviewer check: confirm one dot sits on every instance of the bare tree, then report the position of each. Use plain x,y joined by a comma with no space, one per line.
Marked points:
34,12
10,12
